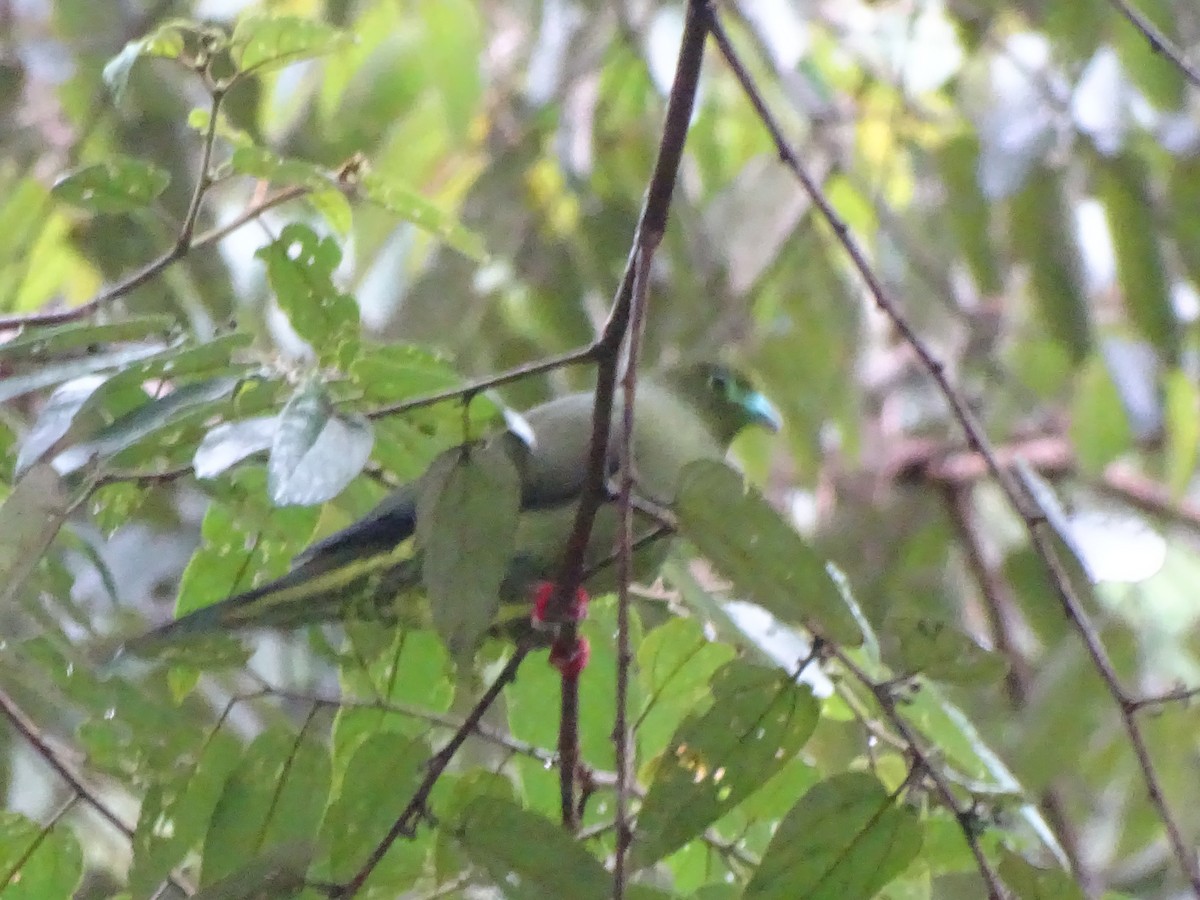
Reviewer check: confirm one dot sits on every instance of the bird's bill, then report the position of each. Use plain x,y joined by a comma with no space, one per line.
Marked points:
763,412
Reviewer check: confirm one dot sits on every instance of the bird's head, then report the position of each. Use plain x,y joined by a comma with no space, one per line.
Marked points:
726,398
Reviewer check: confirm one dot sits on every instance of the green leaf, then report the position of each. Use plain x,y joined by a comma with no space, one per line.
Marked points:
395,372
316,452
36,863
1183,195
379,780
412,207
675,663
970,211
55,418
36,342
764,557
262,163
146,421
300,267
844,840
117,185
30,518
261,41
1158,77
176,810
1099,428
1032,883
274,797
169,41
758,722
466,525
1042,232
938,650
1124,188
1183,430
531,857
52,373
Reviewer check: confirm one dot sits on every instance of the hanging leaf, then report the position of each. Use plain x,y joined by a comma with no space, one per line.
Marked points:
36,863
466,525
758,722
316,452
764,557
844,840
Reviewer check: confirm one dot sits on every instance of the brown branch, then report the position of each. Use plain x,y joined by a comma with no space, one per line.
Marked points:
1159,42
1016,492
32,735
417,808
913,746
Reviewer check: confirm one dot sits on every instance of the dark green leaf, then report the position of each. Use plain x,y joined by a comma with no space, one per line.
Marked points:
1124,188
758,722
531,857
35,342
762,555
938,650
466,525
970,211
274,797
316,452
1042,231
117,185
147,420
379,781
1032,883
844,840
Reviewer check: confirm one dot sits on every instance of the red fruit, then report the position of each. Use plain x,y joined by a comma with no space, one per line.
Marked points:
572,660
543,591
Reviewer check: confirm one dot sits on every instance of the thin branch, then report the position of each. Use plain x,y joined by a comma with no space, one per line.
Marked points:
417,808
914,746
622,734
1159,42
1179,695
29,730
1019,497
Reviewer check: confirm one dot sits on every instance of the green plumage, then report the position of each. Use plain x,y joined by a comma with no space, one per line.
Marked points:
368,570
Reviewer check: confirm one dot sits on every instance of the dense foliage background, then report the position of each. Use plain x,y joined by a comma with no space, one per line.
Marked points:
238,238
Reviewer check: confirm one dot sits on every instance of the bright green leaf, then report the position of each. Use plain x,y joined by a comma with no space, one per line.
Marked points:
117,185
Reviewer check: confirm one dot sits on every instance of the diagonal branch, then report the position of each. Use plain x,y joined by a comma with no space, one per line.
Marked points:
1022,500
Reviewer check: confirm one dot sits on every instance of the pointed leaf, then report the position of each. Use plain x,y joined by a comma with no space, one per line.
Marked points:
758,722
1124,188
36,863
844,840
379,780
466,523
734,527
56,417
1042,232
316,452
274,797
532,857
260,41
38,341
56,372
117,185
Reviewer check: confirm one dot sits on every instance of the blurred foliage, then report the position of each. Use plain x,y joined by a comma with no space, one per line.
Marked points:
253,226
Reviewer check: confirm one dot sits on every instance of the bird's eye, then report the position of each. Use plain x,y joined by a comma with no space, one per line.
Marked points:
719,381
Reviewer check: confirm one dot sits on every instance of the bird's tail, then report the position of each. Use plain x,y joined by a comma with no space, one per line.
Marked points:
362,589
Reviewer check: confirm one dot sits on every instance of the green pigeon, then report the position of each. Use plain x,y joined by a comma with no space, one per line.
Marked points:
682,414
